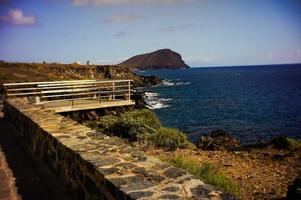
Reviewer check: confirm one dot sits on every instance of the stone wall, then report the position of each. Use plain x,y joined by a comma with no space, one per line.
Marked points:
95,166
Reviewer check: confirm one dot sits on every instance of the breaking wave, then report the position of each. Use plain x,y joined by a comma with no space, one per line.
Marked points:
170,83
154,101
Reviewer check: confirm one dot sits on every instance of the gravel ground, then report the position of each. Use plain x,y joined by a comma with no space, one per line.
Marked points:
259,173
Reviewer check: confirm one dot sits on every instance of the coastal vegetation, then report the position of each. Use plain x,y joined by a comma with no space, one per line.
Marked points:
260,170
141,125
206,172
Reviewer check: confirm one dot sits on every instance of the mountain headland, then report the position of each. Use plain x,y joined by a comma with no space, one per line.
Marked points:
160,59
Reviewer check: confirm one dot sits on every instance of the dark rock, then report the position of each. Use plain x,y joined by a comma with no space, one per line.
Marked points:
155,178
108,171
92,115
139,99
142,158
126,180
137,153
137,195
139,185
294,190
171,189
200,191
126,165
163,58
140,170
169,196
173,172
218,140
151,80
106,161
280,143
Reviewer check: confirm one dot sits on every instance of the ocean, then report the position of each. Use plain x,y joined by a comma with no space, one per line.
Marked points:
250,102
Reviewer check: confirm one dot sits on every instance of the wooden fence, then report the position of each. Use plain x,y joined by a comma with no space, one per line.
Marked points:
53,91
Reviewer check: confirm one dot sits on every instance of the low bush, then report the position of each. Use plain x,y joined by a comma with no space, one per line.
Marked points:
143,116
92,124
206,172
136,125
169,137
107,122
141,125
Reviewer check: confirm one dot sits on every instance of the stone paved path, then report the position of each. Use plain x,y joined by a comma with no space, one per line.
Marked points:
22,175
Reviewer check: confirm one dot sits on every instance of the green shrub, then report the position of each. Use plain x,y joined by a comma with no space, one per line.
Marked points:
169,137
136,125
142,125
144,116
92,124
107,122
206,172
133,130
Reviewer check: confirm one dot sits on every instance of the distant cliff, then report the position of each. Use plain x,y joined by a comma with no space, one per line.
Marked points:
160,59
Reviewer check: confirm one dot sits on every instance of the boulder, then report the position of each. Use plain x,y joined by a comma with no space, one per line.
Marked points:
139,99
294,190
218,140
280,143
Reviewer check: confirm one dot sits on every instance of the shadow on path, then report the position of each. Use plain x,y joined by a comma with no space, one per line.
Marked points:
22,174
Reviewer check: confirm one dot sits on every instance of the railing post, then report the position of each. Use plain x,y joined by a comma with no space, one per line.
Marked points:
72,103
113,91
98,90
95,95
129,88
5,92
39,96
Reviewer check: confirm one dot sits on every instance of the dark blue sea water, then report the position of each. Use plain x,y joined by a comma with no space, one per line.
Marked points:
250,102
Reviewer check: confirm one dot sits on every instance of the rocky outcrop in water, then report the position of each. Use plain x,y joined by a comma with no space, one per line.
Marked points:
160,59
218,140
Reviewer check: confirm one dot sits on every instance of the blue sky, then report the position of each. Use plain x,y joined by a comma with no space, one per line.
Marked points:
204,32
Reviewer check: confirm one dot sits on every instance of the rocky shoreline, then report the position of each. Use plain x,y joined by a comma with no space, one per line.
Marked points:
265,170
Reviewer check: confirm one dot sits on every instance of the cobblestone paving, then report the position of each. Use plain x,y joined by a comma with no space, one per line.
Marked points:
95,166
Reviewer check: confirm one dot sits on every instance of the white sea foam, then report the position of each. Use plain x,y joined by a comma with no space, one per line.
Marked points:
182,83
170,83
167,83
154,101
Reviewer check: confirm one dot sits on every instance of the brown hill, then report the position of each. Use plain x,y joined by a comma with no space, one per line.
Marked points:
27,72
163,58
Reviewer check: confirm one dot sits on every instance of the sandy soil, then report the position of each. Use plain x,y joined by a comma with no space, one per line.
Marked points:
259,173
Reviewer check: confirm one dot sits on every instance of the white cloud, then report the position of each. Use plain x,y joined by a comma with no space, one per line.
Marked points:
199,59
176,28
16,17
298,54
120,34
267,56
123,2
122,18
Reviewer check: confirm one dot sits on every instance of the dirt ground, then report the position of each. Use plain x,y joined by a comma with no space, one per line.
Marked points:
259,173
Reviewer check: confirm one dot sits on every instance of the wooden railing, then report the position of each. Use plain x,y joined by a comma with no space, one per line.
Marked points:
44,92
